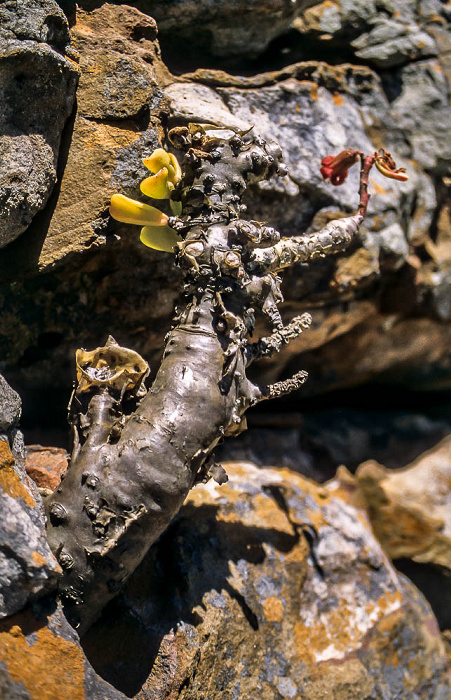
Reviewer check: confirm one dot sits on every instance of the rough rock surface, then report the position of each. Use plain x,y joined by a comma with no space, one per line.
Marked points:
40,654
37,90
410,508
269,586
28,568
41,658
223,28
45,465
383,34
381,311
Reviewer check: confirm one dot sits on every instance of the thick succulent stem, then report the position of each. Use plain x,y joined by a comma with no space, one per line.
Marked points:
136,456
334,238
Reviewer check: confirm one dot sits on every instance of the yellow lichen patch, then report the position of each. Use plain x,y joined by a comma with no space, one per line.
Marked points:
273,609
338,99
49,667
314,92
9,480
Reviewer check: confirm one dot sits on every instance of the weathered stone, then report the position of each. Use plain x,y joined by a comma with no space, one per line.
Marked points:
268,586
10,406
314,439
381,34
45,465
41,658
28,569
33,37
420,110
410,508
42,21
119,100
223,28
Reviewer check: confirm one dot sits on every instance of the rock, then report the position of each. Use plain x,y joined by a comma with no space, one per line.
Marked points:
10,406
119,100
28,569
268,586
69,281
420,109
45,465
222,28
41,658
33,39
383,35
410,508
314,438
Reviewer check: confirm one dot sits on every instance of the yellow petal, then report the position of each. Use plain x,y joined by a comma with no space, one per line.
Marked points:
156,186
129,211
160,238
157,160
175,171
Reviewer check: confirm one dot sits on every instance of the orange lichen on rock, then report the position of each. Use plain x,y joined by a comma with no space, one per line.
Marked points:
48,666
273,609
9,480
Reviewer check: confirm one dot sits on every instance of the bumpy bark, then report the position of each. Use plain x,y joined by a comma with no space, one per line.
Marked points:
135,457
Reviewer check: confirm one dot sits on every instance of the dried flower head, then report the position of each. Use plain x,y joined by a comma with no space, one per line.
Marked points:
387,166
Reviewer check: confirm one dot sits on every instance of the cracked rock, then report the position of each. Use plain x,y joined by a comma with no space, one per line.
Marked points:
33,42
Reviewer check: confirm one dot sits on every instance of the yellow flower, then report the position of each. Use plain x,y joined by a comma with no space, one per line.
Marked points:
167,173
155,232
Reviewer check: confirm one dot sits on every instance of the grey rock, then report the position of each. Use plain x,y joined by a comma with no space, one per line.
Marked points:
28,568
383,35
200,103
129,170
391,44
393,247
419,111
37,90
9,688
10,406
37,20
224,28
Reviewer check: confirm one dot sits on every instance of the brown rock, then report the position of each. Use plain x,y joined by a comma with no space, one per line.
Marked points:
45,465
267,586
410,508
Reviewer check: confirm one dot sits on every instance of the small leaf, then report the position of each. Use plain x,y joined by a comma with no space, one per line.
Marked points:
160,238
176,207
156,186
129,211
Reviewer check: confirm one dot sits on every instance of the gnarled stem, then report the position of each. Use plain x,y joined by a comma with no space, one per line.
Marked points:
137,454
